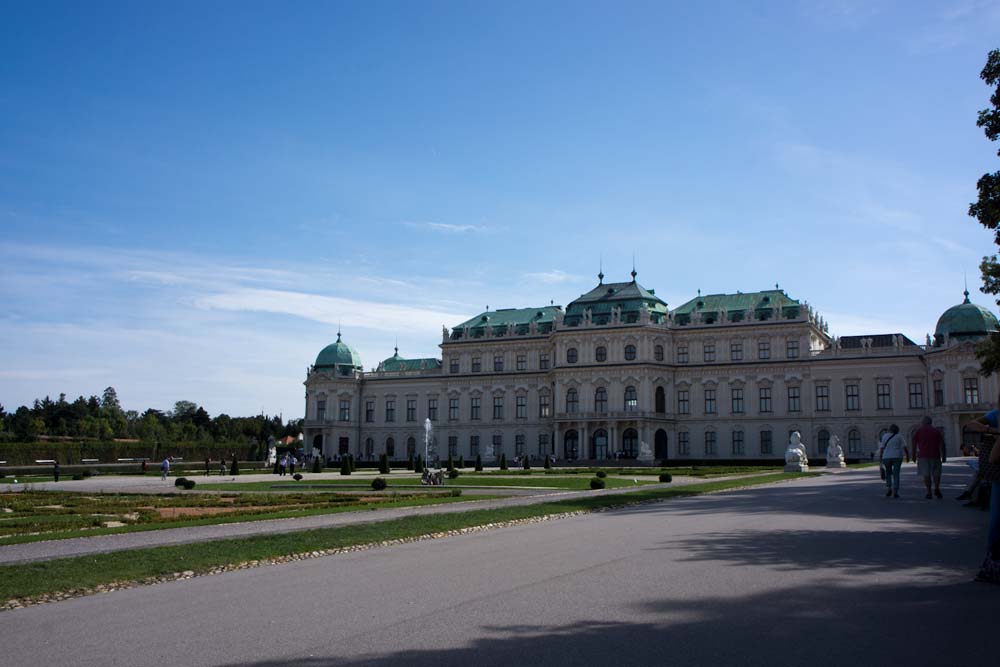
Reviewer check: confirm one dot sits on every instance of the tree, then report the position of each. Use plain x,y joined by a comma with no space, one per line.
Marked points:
986,209
184,410
109,400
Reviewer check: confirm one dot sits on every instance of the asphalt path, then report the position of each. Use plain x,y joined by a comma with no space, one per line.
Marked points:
817,571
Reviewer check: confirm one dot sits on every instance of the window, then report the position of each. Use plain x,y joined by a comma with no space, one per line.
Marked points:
794,399
631,400
390,447
630,443
519,445
854,441
452,445
709,443
411,409
883,396
938,393
498,407
764,397
971,387
522,362
477,364
852,397
390,410
792,348
682,354
823,400
763,349
737,396
432,409
320,410
474,405
630,353
497,445
658,353
738,443
497,362
474,445
369,447
736,351
453,365
369,411
572,401
453,408
543,362
411,447
345,409
601,353
916,394
709,352
544,447
544,407
601,400
683,402
521,407
571,355
661,401
684,443
765,442
709,401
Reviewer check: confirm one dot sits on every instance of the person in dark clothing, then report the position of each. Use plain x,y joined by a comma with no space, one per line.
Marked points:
55,470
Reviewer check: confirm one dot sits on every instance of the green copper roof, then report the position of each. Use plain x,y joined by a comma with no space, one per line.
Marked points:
338,354
396,363
966,320
601,300
762,304
500,320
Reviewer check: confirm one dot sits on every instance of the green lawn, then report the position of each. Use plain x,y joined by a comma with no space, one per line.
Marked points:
24,580
571,483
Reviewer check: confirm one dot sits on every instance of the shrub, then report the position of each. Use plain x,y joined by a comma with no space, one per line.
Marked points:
453,473
461,461
87,473
451,463
297,477
455,493
345,466
188,484
317,464
350,461
527,462
503,462
601,474
383,463
666,477
409,463
77,476
178,482
418,464
596,483
479,463
548,462
235,468
378,484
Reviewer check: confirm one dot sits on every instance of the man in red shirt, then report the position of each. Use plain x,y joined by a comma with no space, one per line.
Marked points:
928,446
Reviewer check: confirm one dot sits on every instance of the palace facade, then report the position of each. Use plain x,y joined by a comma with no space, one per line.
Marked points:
723,376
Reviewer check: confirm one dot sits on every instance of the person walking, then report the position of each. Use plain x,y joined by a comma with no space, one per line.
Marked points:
55,471
165,468
989,471
208,466
891,452
281,465
222,467
929,451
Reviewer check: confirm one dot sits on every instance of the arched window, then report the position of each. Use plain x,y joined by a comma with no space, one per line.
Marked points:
390,447
369,447
601,400
658,353
572,401
411,447
601,353
631,400
571,445
599,445
630,443
854,441
571,355
661,400
822,442
629,352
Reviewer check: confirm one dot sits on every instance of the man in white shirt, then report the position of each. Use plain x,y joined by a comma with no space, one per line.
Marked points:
891,452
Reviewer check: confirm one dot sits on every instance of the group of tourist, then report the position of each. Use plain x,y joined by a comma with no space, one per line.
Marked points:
928,451
222,466
287,462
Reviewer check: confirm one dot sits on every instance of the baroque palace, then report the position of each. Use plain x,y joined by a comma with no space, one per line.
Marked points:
724,376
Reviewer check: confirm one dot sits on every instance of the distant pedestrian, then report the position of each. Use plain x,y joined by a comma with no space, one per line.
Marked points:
165,468
55,470
222,466
144,466
929,451
891,452
282,462
208,466
291,464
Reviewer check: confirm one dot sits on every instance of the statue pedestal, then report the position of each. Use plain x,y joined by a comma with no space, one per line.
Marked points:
796,467
836,464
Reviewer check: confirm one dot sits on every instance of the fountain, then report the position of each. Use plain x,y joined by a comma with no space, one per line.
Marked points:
428,441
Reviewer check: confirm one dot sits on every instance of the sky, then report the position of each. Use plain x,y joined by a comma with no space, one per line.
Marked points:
194,196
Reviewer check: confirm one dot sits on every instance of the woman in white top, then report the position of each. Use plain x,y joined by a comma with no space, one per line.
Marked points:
892,451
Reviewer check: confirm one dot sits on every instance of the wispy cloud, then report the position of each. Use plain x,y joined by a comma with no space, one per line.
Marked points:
446,227
555,276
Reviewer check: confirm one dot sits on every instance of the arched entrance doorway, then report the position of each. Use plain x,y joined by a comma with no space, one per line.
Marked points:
411,447
630,443
318,442
660,445
390,447
571,446
599,444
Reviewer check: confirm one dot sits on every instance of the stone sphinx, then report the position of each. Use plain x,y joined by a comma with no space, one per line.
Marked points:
835,454
795,456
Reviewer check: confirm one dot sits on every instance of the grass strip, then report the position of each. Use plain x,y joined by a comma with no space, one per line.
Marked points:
569,483
83,572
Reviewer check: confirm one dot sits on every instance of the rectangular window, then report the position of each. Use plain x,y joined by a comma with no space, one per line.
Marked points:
474,404
497,445
763,349
543,362
916,394
938,393
792,348
710,443
736,351
883,396
369,411
765,442
709,401
544,407
522,362
498,362
684,443
971,386
453,409
683,402
452,445
345,409
474,445
453,366
432,409
794,399
738,443
320,410
498,407
682,354
411,409
709,352
519,445
544,449
852,397
737,401
521,407
764,397
822,398
477,364
390,410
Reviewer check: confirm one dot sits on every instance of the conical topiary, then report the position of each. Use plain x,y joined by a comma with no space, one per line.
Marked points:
461,461
548,463
383,463
526,462
451,463
345,466
479,463
409,463
317,464
503,462
418,464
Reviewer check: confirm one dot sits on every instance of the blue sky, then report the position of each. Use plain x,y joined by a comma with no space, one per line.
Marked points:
193,195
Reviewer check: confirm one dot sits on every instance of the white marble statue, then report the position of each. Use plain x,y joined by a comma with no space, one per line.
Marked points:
835,454
795,456
645,453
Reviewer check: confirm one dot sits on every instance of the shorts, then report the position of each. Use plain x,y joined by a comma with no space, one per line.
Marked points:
929,467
